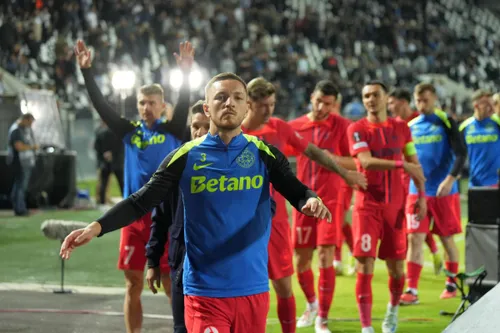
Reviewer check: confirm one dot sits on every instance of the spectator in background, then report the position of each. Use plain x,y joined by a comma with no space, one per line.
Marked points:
21,157
109,152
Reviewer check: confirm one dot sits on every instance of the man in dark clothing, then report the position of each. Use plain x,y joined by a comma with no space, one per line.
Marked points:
109,153
21,157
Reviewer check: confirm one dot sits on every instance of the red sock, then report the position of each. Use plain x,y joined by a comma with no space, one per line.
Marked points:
453,268
347,232
338,253
306,281
287,314
326,287
413,271
396,289
431,243
364,298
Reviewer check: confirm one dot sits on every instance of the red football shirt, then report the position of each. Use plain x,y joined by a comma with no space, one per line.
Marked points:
328,134
386,141
278,133
406,177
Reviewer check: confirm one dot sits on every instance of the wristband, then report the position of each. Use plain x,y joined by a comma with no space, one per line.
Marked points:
399,164
421,194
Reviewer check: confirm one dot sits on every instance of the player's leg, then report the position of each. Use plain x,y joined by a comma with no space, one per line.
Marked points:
208,314
178,301
436,257
280,266
328,238
104,180
132,260
417,231
304,242
392,249
447,224
132,306
251,314
366,231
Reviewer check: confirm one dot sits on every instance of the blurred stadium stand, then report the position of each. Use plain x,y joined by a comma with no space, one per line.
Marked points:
294,43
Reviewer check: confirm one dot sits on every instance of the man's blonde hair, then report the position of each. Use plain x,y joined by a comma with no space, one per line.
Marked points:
152,89
223,77
259,88
423,87
478,94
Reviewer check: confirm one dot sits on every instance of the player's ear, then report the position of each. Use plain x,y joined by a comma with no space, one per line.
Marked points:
206,110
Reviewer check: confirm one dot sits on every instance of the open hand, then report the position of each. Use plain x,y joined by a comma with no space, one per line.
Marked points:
185,57
83,55
78,238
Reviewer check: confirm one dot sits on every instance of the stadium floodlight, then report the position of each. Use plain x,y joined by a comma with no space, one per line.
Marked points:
195,79
123,80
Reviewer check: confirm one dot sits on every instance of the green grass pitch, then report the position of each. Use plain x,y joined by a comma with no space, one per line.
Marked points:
26,256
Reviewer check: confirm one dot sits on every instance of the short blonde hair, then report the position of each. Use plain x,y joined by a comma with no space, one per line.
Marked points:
479,94
259,88
223,77
152,89
423,87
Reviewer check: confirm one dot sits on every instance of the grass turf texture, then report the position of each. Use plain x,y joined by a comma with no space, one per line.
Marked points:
26,256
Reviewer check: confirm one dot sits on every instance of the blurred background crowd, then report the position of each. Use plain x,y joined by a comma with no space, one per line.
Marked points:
294,43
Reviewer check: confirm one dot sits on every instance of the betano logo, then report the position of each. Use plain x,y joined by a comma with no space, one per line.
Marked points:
481,138
224,184
154,140
426,139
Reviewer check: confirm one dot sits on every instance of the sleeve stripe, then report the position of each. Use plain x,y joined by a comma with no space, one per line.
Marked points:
360,145
260,145
185,148
410,149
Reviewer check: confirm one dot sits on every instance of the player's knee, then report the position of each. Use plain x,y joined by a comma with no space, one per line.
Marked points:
365,265
396,268
416,240
283,287
134,283
325,255
303,259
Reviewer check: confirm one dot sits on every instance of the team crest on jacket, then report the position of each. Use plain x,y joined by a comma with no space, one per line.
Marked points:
246,159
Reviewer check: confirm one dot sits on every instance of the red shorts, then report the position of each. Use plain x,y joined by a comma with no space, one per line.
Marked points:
378,221
310,232
280,250
246,314
133,240
444,212
348,197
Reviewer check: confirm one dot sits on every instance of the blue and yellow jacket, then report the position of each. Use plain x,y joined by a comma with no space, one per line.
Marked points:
227,210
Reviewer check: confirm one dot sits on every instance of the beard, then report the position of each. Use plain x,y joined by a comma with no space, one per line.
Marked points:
228,122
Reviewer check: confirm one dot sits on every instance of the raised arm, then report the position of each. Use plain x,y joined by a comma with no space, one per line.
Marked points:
185,60
117,124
